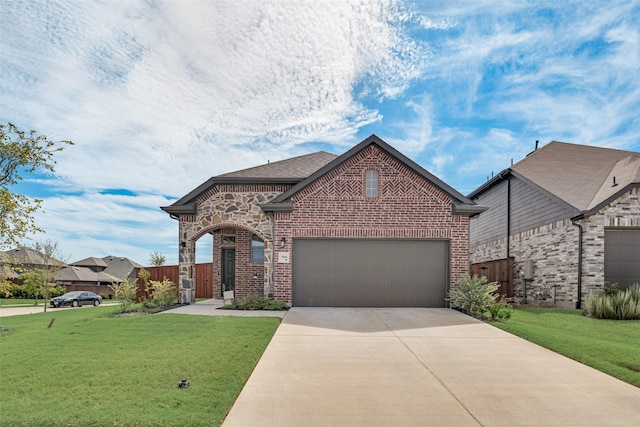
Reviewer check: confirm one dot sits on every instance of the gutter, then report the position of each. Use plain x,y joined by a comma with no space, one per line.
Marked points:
580,233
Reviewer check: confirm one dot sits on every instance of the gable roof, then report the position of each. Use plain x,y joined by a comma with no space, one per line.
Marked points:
580,175
90,262
461,204
289,171
75,273
119,267
26,256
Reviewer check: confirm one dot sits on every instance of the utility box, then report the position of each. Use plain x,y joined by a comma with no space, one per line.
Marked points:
527,269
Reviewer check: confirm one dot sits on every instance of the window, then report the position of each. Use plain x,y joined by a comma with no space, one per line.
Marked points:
257,249
372,184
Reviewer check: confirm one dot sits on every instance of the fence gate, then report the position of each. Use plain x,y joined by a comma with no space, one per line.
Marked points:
499,270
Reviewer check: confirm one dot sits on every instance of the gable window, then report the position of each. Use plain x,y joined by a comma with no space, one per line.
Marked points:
257,249
371,184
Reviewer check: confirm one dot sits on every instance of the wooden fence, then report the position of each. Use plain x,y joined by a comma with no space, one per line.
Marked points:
204,278
500,270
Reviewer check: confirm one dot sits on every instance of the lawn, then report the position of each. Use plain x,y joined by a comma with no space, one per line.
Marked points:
611,346
92,369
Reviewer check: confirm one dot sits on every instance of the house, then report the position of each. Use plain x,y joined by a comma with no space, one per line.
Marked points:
94,271
367,228
21,260
568,218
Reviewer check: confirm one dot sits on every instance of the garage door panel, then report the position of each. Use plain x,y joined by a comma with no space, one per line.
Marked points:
369,272
622,256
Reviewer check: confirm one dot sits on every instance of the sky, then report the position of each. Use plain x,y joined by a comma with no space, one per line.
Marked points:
158,96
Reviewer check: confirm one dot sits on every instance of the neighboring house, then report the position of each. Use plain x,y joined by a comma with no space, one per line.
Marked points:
21,260
567,216
97,271
367,228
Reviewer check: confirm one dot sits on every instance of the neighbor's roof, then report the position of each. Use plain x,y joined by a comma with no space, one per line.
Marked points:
119,267
76,273
27,256
288,171
90,262
580,175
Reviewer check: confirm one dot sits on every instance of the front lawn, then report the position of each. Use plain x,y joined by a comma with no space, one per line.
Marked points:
611,346
92,369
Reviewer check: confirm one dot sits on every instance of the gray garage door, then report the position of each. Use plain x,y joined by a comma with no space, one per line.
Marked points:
370,273
622,257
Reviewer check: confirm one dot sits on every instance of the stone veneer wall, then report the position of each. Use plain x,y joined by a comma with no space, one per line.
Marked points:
553,248
228,206
335,206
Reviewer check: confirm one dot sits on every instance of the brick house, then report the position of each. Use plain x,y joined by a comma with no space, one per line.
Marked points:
568,218
367,228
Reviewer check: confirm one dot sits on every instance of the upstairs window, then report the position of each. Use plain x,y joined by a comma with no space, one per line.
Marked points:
372,184
257,249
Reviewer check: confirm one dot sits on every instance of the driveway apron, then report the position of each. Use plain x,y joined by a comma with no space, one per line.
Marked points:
420,367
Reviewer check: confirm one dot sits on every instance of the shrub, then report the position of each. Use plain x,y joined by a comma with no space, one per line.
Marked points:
164,293
256,303
610,288
473,295
623,305
125,291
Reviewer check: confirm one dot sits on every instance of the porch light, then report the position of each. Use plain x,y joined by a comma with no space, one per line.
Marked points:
255,276
283,241
183,244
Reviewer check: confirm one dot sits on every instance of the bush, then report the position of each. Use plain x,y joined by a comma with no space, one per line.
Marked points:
164,293
622,305
256,303
473,295
125,291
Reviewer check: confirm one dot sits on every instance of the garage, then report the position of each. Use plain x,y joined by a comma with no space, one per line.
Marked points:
622,257
370,272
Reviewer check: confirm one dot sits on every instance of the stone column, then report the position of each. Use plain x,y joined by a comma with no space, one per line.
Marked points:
187,271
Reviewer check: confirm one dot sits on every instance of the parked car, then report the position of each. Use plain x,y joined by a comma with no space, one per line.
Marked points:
77,298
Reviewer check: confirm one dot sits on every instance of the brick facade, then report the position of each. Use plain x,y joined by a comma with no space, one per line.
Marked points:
553,248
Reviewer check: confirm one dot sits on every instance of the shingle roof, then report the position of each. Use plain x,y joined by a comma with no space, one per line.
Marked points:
295,167
288,171
90,262
119,267
580,175
83,274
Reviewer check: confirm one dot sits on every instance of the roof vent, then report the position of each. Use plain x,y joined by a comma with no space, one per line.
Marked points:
614,182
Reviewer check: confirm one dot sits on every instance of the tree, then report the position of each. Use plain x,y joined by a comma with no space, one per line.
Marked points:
21,153
39,281
157,258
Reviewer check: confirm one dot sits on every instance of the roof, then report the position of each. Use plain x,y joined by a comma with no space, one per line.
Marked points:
288,171
580,175
119,267
90,262
76,273
27,256
461,204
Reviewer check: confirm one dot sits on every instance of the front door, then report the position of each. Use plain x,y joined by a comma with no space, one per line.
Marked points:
228,269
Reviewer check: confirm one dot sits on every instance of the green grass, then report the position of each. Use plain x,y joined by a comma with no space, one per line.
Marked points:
611,346
91,369
20,302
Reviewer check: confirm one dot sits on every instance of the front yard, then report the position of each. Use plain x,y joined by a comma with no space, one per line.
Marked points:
92,369
611,346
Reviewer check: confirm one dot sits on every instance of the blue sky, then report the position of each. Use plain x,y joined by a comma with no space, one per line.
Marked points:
158,96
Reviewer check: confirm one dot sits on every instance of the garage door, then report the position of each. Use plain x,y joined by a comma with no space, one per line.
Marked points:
370,273
622,257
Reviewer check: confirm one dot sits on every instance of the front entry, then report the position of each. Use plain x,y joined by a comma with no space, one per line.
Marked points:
228,269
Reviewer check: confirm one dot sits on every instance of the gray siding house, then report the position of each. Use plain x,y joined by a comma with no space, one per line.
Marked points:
567,217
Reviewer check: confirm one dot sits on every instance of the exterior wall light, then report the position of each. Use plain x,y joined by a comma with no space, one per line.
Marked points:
283,241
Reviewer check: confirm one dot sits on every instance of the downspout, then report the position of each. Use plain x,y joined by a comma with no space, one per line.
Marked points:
580,232
508,216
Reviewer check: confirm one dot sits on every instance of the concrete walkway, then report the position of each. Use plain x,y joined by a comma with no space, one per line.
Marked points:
420,367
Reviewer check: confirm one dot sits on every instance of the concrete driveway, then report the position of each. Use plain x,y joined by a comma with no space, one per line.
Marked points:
420,367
